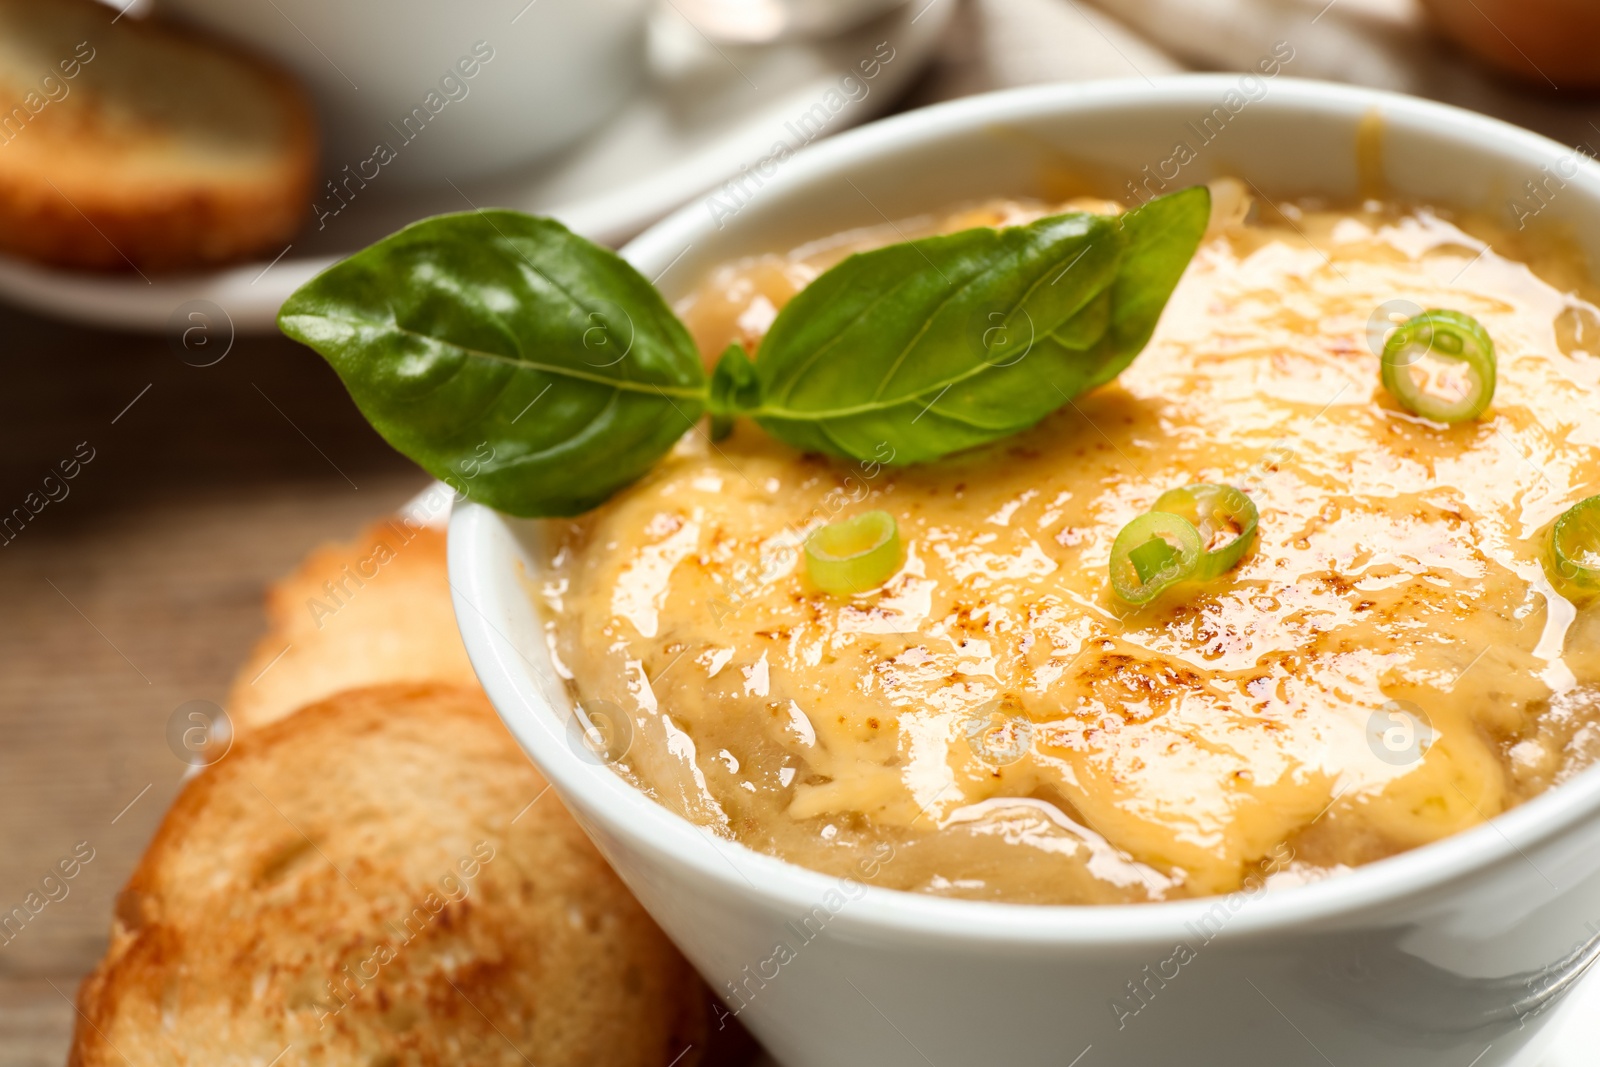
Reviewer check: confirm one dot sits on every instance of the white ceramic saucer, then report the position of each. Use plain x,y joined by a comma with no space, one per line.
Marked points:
707,112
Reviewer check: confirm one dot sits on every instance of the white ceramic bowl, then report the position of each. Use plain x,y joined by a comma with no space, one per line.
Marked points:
453,90
1450,955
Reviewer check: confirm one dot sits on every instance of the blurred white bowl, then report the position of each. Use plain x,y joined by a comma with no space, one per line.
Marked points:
454,90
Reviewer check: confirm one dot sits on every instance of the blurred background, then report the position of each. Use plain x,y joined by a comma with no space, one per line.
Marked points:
168,176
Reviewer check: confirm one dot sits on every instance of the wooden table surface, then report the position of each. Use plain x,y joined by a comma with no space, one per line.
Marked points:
138,590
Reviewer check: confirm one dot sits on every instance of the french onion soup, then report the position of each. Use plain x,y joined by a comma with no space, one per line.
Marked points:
1277,601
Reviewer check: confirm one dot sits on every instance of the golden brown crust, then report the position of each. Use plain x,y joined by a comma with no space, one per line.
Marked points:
380,878
360,612
163,150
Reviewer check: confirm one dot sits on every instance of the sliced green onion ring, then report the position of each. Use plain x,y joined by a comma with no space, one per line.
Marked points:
1152,553
854,555
1225,518
1575,544
1455,344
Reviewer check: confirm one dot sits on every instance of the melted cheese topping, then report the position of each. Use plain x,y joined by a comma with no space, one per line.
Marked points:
1388,665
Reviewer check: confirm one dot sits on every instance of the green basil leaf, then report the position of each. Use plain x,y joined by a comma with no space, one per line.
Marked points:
1162,236
539,373
1099,342
1084,330
530,369
934,345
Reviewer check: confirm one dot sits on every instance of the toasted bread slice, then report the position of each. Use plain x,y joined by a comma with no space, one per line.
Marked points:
128,143
382,879
375,609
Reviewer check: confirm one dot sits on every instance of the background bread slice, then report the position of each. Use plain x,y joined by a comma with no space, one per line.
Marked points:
132,143
370,610
295,908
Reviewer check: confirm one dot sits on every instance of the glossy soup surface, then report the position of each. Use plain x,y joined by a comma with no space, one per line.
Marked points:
1388,666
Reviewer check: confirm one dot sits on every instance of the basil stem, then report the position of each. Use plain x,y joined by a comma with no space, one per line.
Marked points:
734,388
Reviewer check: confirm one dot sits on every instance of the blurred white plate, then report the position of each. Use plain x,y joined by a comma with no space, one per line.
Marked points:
707,112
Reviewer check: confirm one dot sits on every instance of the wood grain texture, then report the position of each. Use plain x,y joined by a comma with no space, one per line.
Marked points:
138,590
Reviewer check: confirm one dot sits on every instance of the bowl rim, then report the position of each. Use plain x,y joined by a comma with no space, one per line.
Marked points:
482,576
